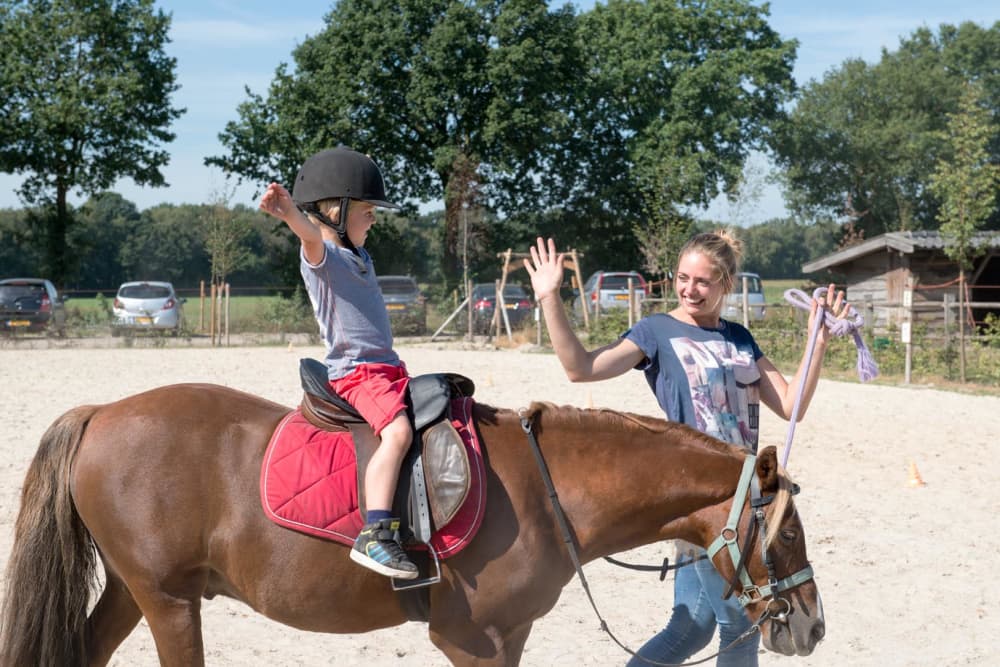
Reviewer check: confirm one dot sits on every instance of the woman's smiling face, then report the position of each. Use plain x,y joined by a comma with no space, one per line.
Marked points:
699,289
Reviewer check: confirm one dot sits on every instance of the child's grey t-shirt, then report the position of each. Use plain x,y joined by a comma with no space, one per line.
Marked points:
349,307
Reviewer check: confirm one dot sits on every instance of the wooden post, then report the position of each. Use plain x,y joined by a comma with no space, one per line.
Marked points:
468,291
946,301
631,306
201,308
962,301
227,314
906,331
579,280
746,302
211,316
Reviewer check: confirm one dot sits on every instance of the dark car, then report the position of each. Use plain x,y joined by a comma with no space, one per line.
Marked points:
405,304
31,304
516,300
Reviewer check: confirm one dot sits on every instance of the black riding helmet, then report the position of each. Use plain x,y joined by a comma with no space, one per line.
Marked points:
339,173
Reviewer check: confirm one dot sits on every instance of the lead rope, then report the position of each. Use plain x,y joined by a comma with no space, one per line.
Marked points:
571,547
852,324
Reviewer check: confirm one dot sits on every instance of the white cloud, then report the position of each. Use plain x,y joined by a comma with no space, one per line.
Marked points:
232,34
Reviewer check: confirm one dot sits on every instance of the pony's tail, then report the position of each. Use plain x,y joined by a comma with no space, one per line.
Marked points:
52,566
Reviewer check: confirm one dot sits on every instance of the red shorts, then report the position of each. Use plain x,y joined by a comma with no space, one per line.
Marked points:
377,391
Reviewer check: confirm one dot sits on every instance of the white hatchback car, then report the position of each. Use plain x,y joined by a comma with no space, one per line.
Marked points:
147,305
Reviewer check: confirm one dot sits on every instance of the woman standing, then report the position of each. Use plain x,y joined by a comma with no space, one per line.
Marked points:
708,373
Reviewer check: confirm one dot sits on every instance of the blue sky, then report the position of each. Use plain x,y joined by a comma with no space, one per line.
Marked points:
223,45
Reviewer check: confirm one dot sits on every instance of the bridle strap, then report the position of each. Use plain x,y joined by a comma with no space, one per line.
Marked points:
749,485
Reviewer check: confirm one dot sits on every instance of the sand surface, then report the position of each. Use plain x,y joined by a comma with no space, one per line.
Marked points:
908,574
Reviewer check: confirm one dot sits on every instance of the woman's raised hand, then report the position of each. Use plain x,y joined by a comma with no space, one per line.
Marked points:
545,269
834,303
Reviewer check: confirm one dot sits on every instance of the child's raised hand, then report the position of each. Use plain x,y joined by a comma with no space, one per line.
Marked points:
277,201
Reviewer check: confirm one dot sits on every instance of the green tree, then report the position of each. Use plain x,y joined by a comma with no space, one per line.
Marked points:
674,97
103,224
423,86
168,244
778,248
84,101
569,122
227,237
862,142
19,250
966,182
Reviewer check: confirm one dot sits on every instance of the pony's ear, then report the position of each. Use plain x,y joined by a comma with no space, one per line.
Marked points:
767,469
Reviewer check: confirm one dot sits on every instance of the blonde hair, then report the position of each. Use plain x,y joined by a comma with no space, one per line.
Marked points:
331,209
723,249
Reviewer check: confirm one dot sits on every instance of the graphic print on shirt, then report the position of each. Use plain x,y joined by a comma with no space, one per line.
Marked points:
723,383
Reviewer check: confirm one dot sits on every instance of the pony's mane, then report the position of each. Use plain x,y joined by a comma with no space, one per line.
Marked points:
572,416
778,506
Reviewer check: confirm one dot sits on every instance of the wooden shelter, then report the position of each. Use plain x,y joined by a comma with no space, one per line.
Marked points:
880,271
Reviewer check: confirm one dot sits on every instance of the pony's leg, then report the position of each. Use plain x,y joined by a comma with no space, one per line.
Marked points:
174,619
113,618
472,645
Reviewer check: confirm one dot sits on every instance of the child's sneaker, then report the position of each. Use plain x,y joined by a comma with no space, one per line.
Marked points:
378,549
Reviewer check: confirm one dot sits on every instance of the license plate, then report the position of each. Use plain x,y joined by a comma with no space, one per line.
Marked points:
144,320
511,306
621,297
18,323
395,306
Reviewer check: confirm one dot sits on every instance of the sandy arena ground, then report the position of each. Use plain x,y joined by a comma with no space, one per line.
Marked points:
908,574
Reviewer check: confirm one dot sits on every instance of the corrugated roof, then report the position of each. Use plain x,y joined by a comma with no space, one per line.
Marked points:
904,242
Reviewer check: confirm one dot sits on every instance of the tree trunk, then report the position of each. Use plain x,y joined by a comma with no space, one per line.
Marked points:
56,241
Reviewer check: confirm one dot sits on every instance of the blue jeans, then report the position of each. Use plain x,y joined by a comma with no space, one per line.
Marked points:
698,608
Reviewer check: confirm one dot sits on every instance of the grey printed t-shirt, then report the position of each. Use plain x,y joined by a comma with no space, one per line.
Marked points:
348,305
705,378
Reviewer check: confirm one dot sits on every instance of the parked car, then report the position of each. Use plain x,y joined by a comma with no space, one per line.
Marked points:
146,305
517,302
755,298
405,304
31,304
609,289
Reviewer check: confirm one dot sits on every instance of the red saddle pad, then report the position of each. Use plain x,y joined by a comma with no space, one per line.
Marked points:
308,482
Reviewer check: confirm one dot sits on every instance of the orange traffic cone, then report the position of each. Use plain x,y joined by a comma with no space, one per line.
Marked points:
915,479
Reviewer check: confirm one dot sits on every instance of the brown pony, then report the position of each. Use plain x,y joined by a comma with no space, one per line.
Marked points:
162,487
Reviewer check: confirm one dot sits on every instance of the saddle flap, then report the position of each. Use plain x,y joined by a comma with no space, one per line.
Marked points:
429,396
446,465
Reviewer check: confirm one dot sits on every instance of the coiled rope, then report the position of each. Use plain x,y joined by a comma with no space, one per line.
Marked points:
850,324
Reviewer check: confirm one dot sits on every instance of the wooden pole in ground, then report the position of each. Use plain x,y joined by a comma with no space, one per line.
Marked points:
211,316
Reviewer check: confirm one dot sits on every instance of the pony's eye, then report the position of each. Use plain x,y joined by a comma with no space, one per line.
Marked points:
788,535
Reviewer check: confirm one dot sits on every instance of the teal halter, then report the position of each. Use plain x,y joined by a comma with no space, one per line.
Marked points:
749,484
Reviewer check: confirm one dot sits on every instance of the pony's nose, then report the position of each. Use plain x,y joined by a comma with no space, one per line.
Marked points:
818,632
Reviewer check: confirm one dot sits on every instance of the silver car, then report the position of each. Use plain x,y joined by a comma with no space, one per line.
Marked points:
609,289
756,302
147,305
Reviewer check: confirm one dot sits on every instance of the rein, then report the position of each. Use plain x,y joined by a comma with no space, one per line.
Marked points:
663,568
852,324
575,558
